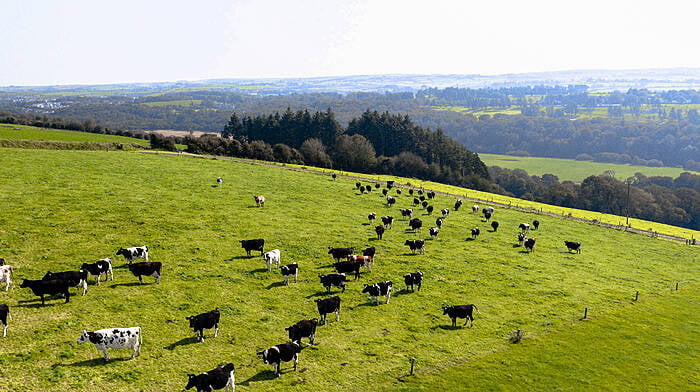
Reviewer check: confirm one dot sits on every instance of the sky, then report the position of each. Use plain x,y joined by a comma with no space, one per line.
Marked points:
58,42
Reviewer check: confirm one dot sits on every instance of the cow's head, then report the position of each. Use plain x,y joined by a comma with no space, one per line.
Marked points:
446,309
24,284
264,356
192,381
84,337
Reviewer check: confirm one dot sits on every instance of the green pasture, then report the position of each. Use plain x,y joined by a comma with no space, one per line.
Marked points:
24,132
63,208
181,102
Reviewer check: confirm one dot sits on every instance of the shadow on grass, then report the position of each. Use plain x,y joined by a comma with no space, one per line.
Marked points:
372,239
99,362
401,292
114,285
516,246
182,342
36,303
275,284
320,294
265,375
447,327
258,270
470,239
411,254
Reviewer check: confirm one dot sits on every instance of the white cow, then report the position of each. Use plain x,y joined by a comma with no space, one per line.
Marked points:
5,272
272,257
114,338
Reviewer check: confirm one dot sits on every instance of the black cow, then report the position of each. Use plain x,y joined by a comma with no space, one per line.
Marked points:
475,232
380,231
328,305
220,378
434,232
413,278
289,270
147,268
4,312
406,213
390,201
439,221
376,185
48,287
369,251
284,352
303,329
494,225
416,201
458,204
424,204
98,268
202,321
377,289
530,244
358,185
420,191
487,215
76,278
460,311
390,184
431,195
388,221
137,252
341,253
421,198
385,191
368,188
572,245
521,238
257,244
337,280
429,209
398,191
535,224
334,176
410,192
349,266
372,217
416,224
416,245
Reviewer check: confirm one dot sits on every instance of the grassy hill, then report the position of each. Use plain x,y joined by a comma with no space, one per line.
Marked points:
63,208
24,132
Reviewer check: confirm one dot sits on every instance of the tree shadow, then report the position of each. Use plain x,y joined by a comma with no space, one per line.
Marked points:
182,342
265,375
275,284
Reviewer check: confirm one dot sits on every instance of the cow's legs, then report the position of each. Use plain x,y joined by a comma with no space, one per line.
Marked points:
277,369
296,361
337,314
140,280
67,295
216,330
106,355
157,275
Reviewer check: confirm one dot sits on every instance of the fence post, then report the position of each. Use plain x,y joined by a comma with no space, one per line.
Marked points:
676,286
585,313
636,296
413,362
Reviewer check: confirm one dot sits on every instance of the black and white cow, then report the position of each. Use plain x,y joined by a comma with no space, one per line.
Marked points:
416,224
487,215
460,311
434,231
535,224
490,210
222,377
445,212
349,266
76,278
390,201
572,245
494,225
458,204
4,314
219,181
284,352
372,217
524,226
337,280
303,329
475,208
146,268
521,238
530,244
413,278
431,195
439,221
6,275
328,305
289,270
416,245
116,338
377,289
429,209
341,253
475,233
48,287
398,191
388,221
96,269
206,320
406,212
257,244
272,257
380,231
137,252
371,251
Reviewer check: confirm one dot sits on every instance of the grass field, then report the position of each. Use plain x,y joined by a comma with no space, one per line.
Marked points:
573,170
62,208
24,132
182,102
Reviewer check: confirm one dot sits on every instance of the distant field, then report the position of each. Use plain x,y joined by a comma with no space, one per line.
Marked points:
182,102
573,170
23,132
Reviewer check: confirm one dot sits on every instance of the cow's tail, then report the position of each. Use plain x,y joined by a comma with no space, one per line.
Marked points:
140,336
477,309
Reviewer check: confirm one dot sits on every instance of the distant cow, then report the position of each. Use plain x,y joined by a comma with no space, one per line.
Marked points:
521,238
524,226
416,224
398,191
202,321
460,311
222,377
439,221
259,200
334,176
4,313
434,232
358,185
284,352
341,253
494,225
413,278
458,204
487,216
5,275
146,269
571,245
406,213
410,192
76,278
390,201
475,208
219,181
48,287
368,188
530,244
303,329
116,338
96,269
429,209
337,280
416,201
372,217
328,305
349,266
272,257
416,245
136,252
475,232
380,231
257,244
424,204
431,195
376,185
289,270
535,224
420,191
445,212
490,210
377,289
385,191
388,221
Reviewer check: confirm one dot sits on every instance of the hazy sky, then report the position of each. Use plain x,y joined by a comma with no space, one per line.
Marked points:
89,42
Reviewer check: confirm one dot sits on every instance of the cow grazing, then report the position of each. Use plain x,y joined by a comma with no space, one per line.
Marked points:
398,191
521,238
150,268
535,224
259,200
530,244
487,216
420,192
475,208
439,221
96,269
368,188
413,278
372,216
349,266
137,252
358,185
424,204
415,245
48,287
257,244
365,260
289,270
337,280
460,311
272,257
76,278
378,289
385,191
431,195
5,275
572,245
220,378
376,185
380,231
406,213
416,201
219,181
303,329
390,184
388,221
524,226
328,305
421,198
202,321
429,209
2,261
341,253
434,232
475,232
415,224
116,338
390,201
490,209
284,352
4,314
458,204
369,251
445,212
334,176
494,225
410,192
